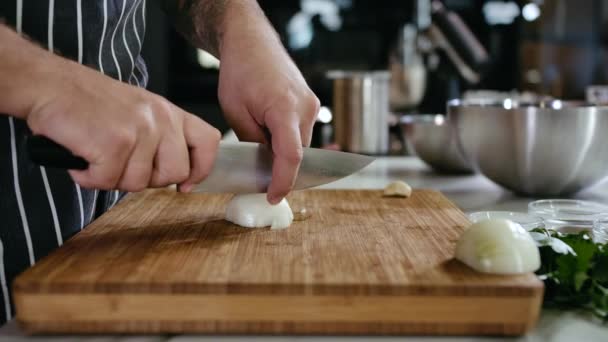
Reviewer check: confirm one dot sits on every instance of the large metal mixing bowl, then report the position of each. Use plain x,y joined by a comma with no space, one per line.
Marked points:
433,141
546,148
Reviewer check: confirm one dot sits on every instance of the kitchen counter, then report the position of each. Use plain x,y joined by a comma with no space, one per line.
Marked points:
469,192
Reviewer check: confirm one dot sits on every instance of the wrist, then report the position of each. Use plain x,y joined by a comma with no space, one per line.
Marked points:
245,22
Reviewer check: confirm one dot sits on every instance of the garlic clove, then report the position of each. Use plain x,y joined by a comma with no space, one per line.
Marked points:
398,189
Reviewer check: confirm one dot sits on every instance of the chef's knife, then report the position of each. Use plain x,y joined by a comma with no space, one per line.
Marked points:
240,167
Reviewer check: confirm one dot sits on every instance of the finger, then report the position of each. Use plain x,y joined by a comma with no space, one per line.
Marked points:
138,171
287,150
171,162
247,129
104,172
203,141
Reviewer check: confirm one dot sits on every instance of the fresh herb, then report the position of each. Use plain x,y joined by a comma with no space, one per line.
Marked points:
574,270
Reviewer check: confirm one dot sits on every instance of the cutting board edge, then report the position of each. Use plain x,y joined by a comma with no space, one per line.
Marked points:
533,286
446,315
270,329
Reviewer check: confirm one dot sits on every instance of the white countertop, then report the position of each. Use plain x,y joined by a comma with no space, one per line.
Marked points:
471,193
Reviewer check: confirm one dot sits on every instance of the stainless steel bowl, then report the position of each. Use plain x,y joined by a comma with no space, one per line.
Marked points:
432,139
545,148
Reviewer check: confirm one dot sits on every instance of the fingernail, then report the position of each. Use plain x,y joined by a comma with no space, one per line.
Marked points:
273,200
185,188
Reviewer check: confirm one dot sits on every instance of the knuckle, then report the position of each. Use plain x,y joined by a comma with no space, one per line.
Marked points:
123,139
283,99
163,110
215,135
295,156
310,105
314,104
146,125
288,98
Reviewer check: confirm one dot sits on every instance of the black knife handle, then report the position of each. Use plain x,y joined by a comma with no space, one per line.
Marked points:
44,151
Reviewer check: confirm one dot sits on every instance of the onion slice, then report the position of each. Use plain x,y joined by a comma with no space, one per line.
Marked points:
254,211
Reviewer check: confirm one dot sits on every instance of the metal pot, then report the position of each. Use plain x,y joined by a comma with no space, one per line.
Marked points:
361,110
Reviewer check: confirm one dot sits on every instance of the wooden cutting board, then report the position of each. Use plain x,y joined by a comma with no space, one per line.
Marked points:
162,262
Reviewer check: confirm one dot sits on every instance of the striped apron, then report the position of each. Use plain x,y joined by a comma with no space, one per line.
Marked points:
40,208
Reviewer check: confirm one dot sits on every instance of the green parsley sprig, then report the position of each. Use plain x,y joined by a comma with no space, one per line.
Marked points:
574,270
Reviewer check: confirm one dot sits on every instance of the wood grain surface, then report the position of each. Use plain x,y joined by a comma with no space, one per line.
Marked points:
163,262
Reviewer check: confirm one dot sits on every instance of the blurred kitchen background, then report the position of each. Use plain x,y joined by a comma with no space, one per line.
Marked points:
551,48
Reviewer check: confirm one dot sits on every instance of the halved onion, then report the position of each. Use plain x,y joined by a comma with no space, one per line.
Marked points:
498,246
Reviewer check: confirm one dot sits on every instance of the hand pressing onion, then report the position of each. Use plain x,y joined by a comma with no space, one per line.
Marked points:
254,211
498,246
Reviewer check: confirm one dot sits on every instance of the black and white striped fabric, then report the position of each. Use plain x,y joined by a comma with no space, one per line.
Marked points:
40,208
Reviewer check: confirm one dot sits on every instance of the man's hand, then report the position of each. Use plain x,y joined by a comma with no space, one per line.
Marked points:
131,138
260,88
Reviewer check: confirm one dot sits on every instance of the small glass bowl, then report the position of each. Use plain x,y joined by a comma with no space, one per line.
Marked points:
600,229
568,216
527,221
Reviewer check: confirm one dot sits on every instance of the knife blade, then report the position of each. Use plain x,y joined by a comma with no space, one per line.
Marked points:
247,168
240,167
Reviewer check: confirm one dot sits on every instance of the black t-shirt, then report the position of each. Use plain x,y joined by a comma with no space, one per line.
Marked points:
40,208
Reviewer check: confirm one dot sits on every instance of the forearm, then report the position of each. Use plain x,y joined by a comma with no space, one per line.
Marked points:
24,68
205,23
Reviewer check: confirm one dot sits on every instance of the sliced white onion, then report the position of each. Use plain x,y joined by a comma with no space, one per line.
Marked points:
254,211
498,246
